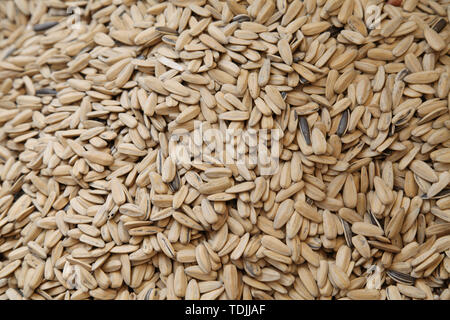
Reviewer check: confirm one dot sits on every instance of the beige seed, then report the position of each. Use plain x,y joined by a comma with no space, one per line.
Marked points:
283,214
423,170
364,294
230,279
285,51
366,229
422,77
339,277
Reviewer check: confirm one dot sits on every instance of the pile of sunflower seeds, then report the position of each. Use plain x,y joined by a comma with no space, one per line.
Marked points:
94,205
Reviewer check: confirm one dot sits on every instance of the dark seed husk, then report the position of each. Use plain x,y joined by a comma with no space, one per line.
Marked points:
44,26
387,152
400,127
347,232
441,194
439,25
168,39
391,130
406,118
374,220
174,185
334,31
248,267
343,124
241,18
159,162
315,245
9,52
17,195
305,130
402,74
45,91
166,30
400,277
303,80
